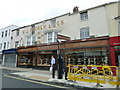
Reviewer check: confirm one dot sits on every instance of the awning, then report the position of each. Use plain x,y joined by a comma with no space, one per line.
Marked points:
10,51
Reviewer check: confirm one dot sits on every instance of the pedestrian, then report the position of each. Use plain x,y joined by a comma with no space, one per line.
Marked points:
53,66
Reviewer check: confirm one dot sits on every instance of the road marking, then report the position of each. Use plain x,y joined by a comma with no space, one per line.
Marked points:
35,81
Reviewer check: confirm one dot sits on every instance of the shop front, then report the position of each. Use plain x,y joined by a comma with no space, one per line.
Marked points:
38,57
10,57
78,52
88,52
115,50
25,56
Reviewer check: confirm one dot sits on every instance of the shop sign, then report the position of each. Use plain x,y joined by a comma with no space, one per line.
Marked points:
26,49
48,47
87,44
114,41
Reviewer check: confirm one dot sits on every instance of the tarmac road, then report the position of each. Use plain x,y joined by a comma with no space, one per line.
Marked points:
12,82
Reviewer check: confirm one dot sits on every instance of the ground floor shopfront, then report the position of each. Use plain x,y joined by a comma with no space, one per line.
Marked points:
95,51
9,58
115,50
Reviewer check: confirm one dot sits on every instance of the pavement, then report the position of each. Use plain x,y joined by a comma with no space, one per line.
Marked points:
46,76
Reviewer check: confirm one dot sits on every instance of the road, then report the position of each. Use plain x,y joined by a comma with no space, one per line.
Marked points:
14,82
10,82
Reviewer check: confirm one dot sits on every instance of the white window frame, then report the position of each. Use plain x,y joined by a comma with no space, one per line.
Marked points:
84,33
84,15
53,38
16,44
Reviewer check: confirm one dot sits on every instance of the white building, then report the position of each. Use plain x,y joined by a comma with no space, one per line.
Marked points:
5,38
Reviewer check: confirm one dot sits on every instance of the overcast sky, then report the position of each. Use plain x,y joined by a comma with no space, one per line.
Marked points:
25,12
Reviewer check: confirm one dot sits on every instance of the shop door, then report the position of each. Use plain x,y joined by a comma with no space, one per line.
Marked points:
118,58
10,60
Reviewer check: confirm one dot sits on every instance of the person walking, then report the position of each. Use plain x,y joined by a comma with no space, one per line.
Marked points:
53,66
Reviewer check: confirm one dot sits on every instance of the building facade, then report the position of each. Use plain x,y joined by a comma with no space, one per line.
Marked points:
94,34
5,38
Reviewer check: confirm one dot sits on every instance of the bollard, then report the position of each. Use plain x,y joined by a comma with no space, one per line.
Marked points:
66,72
53,71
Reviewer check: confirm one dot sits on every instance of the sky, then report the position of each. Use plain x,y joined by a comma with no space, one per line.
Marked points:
26,12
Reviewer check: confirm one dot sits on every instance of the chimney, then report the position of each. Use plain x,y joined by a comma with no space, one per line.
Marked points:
75,9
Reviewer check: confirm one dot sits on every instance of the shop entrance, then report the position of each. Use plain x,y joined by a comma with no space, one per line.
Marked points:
117,55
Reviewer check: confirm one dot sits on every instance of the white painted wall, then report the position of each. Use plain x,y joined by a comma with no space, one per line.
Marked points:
8,37
99,21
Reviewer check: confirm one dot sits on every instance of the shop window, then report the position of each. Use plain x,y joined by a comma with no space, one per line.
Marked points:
44,60
84,33
25,59
92,57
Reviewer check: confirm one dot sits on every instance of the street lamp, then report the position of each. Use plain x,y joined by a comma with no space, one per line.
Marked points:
60,62
60,59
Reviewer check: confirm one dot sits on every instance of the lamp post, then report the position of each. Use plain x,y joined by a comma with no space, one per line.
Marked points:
60,59
60,62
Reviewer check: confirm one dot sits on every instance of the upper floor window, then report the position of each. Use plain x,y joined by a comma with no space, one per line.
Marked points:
17,33
33,32
84,15
53,22
2,34
0,46
8,45
33,40
28,41
4,45
5,33
50,34
84,33
9,32
52,37
16,44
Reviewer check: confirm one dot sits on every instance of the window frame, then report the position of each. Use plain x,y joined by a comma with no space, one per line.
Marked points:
53,37
6,33
84,15
84,33
17,32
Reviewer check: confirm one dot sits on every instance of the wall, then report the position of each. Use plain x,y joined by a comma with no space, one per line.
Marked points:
112,11
8,37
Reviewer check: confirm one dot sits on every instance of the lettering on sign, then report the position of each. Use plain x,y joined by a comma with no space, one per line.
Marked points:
85,43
